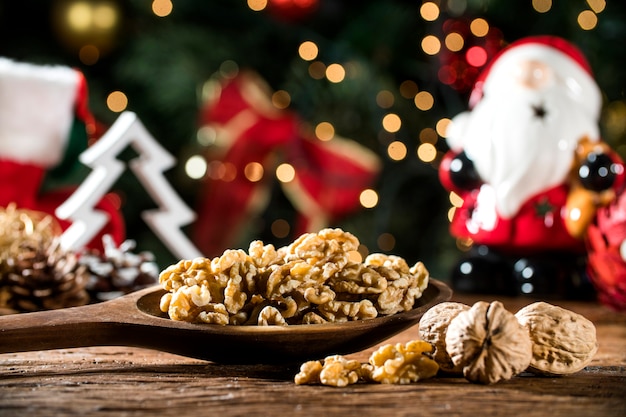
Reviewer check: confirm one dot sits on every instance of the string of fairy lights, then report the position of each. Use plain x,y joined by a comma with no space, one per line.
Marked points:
82,16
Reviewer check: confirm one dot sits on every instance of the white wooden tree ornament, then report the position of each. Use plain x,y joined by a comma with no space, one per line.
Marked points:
153,160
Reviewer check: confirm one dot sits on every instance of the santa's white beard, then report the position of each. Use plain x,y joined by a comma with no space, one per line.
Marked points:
516,152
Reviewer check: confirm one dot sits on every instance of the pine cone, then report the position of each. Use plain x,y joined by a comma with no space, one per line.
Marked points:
118,271
41,276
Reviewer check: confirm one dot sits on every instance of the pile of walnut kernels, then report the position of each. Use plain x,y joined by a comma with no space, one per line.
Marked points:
312,280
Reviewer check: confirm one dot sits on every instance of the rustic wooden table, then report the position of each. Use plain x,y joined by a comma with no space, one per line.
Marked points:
119,381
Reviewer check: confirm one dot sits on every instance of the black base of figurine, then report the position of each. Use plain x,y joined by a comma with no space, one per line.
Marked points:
552,275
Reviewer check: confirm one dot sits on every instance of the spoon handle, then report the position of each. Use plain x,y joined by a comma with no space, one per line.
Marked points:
57,329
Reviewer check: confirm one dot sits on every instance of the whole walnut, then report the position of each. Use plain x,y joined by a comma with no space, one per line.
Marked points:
563,342
488,343
433,327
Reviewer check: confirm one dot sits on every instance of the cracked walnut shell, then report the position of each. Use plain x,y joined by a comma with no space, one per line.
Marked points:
489,343
563,342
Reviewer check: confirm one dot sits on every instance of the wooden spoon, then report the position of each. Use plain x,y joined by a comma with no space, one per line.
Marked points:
136,320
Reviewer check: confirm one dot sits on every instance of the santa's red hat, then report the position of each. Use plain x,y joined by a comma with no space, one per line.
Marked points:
567,60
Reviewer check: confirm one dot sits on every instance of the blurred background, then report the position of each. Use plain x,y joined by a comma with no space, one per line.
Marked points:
382,76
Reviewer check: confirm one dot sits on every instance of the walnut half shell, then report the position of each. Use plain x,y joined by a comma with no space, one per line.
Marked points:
489,343
563,342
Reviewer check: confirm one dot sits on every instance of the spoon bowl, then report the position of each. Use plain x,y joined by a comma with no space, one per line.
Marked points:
136,320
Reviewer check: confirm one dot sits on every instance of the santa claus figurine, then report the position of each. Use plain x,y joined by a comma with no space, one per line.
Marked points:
44,126
531,170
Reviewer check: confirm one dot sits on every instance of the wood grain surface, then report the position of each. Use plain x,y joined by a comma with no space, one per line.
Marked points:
121,381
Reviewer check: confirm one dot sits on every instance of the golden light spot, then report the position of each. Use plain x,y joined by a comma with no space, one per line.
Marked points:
542,6
455,199
429,11
117,101
317,70
424,100
253,171
385,99
324,131
397,150
597,5
257,5
386,242
479,27
408,89
368,198
162,8
428,135
79,16
285,172
104,16
587,20
281,99
335,73
427,152
280,228
431,45
451,212
392,122
308,50
195,167
442,126
454,42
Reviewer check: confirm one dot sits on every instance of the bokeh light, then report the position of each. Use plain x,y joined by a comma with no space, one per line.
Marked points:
429,11
368,198
408,89
397,150
385,99
162,8
257,5
335,73
285,172
476,56
424,100
308,50
442,126
426,152
325,131
587,20
280,228
392,122
253,171
454,42
479,27
117,101
196,167
431,45
386,242
597,5
281,99
428,135
317,70
542,6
